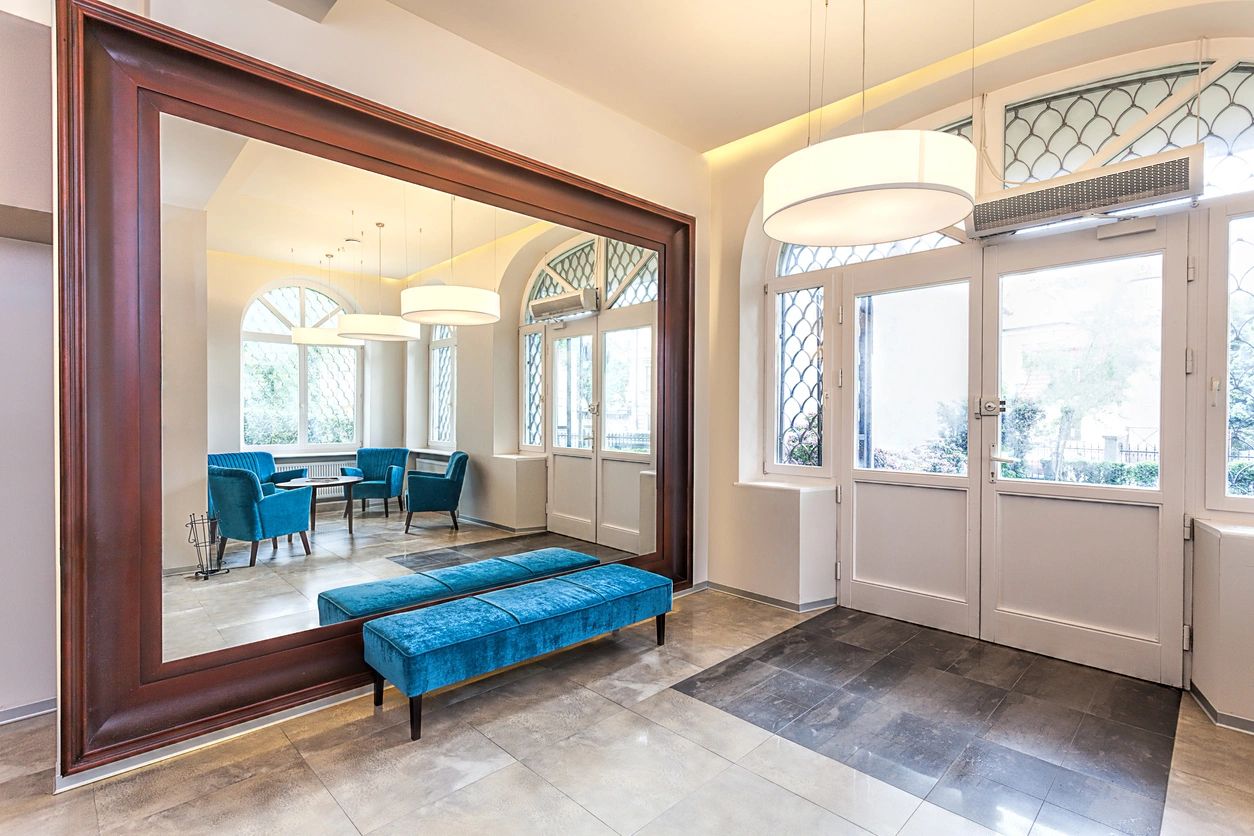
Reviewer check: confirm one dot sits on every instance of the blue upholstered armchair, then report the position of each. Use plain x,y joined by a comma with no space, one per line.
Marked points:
259,462
433,492
246,512
382,470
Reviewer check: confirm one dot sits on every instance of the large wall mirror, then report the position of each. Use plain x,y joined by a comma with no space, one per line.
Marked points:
250,427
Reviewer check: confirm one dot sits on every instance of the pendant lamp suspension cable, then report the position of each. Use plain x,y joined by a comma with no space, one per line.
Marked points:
810,74
378,296
863,125
823,71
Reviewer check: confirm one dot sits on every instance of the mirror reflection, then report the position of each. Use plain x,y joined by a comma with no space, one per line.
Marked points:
366,380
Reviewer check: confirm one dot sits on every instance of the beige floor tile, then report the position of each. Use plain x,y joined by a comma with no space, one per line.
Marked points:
626,770
930,820
189,632
1208,751
1198,807
268,628
145,792
381,776
703,724
323,730
28,746
27,806
626,669
703,645
868,802
738,802
290,800
512,800
381,567
534,712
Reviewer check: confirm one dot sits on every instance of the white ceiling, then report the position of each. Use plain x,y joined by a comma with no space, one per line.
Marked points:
706,72
272,202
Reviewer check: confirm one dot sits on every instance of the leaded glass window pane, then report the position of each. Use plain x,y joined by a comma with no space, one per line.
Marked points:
318,306
286,300
799,369
270,392
441,430
1055,135
962,129
331,416
620,258
578,265
795,258
1240,469
261,320
441,332
543,287
641,288
1223,120
533,389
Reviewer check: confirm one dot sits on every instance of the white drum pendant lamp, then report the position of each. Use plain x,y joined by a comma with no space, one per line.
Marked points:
377,326
869,188
321,336
436,303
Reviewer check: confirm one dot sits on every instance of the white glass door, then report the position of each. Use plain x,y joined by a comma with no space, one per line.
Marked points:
1081,456
624,460
572,506
909,545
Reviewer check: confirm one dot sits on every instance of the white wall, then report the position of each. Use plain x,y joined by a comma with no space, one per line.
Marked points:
27,497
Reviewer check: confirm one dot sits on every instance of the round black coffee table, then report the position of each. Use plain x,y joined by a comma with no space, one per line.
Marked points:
318,483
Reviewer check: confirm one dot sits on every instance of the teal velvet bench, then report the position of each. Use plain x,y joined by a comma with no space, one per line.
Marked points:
377,597
421,650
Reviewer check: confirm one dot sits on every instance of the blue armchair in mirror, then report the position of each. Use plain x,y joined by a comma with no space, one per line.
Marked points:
433,492
382,470
246,512
259,462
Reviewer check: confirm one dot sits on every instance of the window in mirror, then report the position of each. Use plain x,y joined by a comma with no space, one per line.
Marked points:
533,389
296,395
442,373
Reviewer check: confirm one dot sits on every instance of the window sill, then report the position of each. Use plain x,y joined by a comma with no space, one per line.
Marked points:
796,484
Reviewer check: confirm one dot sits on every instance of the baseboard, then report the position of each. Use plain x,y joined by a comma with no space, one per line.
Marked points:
774,602
25,712
696,587
1227,721
499,527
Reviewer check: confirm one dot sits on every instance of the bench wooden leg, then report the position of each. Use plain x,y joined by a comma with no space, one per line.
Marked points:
378,688
415,717
661,628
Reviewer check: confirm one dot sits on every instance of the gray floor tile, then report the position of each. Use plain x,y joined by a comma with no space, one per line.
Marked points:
1037,727
945,698
1138,703
727,680
841,713
764,708
909,752
1057,821
985,801
1124,755
934,648
1062,682
1106,803
877,680
992,664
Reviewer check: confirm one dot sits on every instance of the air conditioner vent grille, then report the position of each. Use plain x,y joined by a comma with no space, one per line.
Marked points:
1135,183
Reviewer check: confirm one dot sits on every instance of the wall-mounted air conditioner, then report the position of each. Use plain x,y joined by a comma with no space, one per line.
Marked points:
564,305
1171,175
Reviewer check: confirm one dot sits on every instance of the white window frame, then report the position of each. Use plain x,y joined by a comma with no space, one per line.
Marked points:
523,333
434,345
302,445
1220,214
773,287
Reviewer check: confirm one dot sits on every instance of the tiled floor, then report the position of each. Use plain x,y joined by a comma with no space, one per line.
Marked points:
1001,737
279,595
593,740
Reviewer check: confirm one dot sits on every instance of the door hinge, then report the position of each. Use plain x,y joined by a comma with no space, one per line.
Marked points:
1188,361
840,315
766,290
838,570
840,378
1188,526
1191,270
1187,637
840,494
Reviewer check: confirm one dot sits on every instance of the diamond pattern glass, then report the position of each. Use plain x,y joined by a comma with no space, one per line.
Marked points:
286,300
1055,135
441,430
1240,479
533,389
331,415
270,391
261,320
962,129
441,332
795,258
620,257
578,266
642,286
799,365
318,307
543,287
1224,120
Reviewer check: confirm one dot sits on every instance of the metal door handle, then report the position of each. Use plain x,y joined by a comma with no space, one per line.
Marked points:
994,460
1003,459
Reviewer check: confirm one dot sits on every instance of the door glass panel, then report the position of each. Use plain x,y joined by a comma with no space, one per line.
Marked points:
1080,365
799,365
572,392
911,378
627,384
1240,464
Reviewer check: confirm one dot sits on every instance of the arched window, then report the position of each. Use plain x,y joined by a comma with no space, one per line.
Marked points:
293,395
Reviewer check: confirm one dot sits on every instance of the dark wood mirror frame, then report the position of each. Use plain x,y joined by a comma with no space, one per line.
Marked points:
117,74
